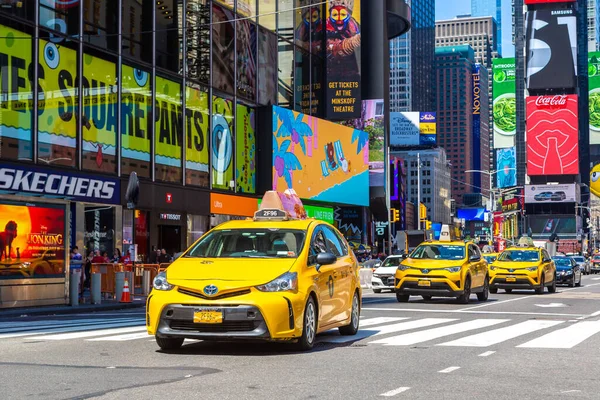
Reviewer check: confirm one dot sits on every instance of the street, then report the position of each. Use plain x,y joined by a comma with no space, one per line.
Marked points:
520,345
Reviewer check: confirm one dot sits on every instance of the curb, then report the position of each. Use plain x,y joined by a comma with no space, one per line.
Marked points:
62,310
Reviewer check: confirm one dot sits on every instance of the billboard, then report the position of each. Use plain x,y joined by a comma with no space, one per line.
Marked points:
504,105
33,241
245,146
547,1
537,194
506,167
594,96
343,38
551,49
552,135
320,160
476,110
413,129
471,214
546,225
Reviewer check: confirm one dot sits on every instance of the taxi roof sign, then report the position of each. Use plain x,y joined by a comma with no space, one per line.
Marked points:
445,235
526,241
277,206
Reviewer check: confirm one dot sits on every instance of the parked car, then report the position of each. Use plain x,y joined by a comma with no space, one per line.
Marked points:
595,264
567,271
383,277
583,263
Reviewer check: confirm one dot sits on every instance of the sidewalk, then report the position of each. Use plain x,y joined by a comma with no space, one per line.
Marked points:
83,307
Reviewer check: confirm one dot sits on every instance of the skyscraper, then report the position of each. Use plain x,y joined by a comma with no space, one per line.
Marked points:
479,32
592,28
411,62
490,8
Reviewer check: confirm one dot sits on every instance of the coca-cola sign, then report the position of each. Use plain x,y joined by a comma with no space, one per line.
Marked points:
551,101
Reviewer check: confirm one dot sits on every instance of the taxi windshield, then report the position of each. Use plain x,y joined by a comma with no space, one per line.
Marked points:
489,258
438,252
520,256
250,243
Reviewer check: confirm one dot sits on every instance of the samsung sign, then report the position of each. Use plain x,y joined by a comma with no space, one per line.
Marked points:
29,181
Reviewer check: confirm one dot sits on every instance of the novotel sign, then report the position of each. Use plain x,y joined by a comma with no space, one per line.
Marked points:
57,184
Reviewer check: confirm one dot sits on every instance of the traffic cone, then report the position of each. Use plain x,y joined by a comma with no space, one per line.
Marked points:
125,298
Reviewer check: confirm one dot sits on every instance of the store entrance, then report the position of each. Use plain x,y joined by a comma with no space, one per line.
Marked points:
169,238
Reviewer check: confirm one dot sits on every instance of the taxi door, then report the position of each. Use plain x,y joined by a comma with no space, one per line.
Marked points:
343,277
325,278
476,265
547,267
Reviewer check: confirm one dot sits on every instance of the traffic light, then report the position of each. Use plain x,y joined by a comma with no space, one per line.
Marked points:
427,225
395,215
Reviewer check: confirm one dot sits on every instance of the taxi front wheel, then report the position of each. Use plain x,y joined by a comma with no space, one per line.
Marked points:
169,343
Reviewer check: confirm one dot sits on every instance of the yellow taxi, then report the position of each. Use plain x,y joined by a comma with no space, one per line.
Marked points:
523,267
267,278
445,268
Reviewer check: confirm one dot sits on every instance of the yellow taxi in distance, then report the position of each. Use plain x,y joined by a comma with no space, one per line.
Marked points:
268,278
523,267
443,268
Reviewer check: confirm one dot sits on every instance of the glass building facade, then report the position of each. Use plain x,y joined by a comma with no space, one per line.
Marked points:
490,8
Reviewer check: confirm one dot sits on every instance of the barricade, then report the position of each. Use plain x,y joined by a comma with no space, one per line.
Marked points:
366,276
162,267
144,274
139,276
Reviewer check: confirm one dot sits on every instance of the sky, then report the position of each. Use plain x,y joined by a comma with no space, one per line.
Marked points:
448,9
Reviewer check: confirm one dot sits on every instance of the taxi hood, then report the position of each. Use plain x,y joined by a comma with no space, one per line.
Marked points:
433,263
229,273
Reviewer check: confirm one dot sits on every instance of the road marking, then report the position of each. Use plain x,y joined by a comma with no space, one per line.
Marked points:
595,314
487,354
565,338
378,320
448,370
551,305
596,279
394,392
47,331
121,338
570,391
494,303
435,333
80,335
496,336
39,325
421,310
384,330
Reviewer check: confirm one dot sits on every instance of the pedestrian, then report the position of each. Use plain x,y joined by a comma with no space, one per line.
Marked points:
116,255
126,259
97,259
85,279
153,259
105,257
164,258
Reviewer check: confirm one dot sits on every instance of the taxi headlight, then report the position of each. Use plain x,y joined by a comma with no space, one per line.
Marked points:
160,282
453,269
493,267
532,269
402,267
286,282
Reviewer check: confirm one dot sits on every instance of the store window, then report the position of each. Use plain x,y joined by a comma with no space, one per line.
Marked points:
168,130
18,8
245,145
198,40
60,16
99,128
223,47
246,59
267,9
57,105
137,30
16,106
197,225
136,121
100,24
197,121
136,234
285,19
285,58
222,146
267,67
100,230
169,34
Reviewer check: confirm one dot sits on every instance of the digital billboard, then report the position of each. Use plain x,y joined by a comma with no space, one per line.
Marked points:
551,49
506,167
343,40
547,1
552,135
413,129
594,96
245,145
471,214
504,105
536,194
32,243
546,225
320,160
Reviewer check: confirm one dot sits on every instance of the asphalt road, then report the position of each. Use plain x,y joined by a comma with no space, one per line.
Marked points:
521,345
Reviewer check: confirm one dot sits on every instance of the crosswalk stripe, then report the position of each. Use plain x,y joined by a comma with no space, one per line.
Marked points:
435,333
121,338
58,329
565,338
387,329
88,333
46,325
379,320
502,334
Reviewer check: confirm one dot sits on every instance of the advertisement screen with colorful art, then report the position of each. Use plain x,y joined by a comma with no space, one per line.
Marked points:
245,145
506,165
222,144
594,96
342,35
32,241
552,135
168,130
320,160
504,109
196,152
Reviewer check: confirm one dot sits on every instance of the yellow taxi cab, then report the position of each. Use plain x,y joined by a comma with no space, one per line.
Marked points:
445,268
490,257
523,267
270,278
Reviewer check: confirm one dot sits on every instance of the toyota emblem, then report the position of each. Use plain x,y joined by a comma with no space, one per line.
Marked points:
211,290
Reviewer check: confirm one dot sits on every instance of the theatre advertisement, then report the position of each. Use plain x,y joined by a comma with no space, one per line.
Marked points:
32,241
343,38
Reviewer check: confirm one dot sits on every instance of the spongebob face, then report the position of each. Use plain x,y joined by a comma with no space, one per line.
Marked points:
595,180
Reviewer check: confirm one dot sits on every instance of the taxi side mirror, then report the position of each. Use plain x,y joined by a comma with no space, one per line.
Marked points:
325,259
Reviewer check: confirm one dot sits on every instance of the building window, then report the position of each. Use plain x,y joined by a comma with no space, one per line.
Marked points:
223,48
137,30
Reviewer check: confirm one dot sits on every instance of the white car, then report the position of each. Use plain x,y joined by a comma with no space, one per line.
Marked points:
384,276
584,265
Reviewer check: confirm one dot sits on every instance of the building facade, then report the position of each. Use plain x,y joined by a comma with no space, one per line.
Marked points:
487,8
435,173
463,118
481,33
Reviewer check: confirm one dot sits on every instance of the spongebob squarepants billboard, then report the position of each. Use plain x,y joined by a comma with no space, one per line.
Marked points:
320,160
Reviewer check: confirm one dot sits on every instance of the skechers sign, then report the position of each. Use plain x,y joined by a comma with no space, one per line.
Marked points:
58,184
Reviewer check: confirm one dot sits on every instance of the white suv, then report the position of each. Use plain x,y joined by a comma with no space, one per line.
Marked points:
384,276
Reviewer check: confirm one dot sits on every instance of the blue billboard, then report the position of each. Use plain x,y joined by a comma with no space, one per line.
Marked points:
471,214
506,165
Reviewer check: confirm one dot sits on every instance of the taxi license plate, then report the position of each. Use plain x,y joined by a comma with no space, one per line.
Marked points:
511,279
424,283
208,317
